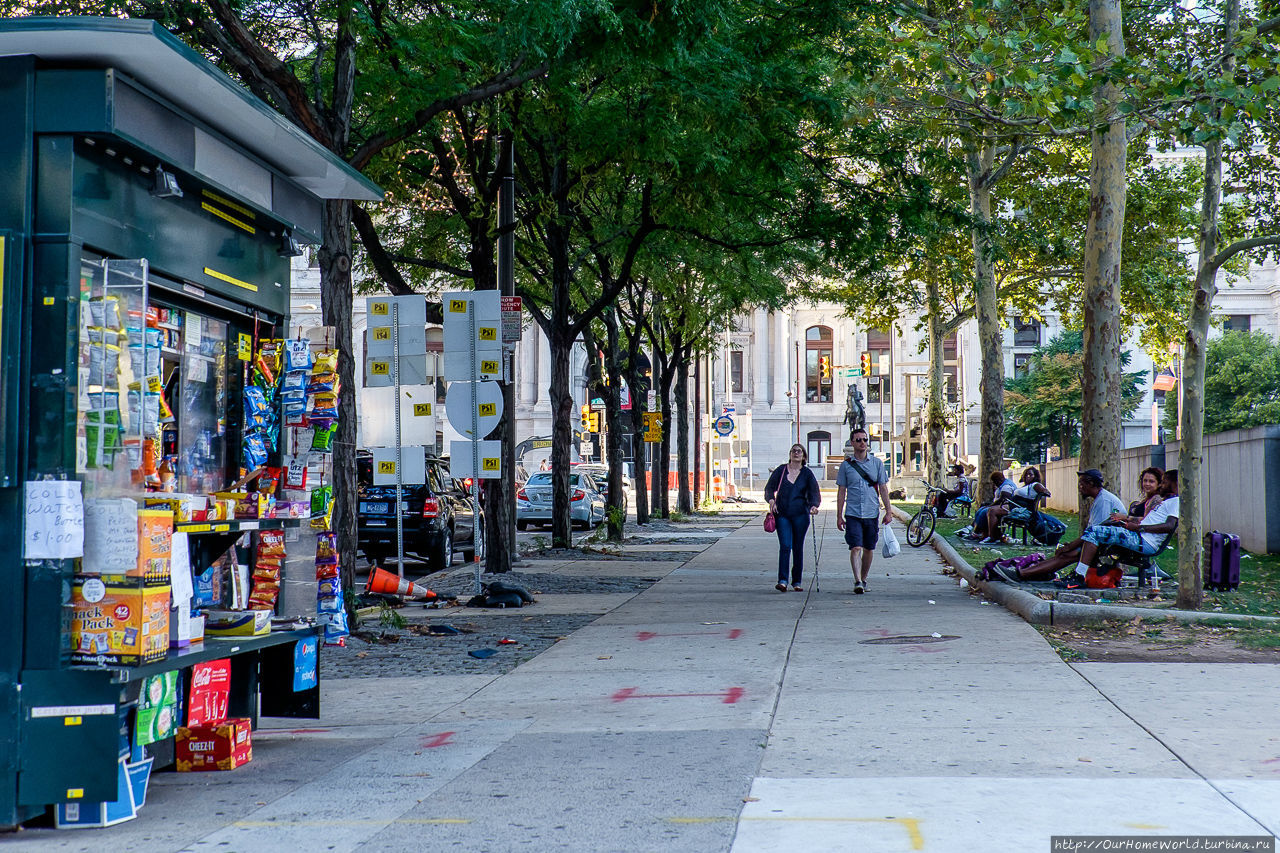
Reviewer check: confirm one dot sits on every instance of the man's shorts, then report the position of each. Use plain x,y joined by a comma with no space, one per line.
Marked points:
1110,534
861,532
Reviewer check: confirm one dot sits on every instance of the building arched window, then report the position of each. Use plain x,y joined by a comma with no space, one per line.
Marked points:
819,367
818,445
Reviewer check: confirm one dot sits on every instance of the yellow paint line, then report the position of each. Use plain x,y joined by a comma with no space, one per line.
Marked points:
221,276
239,223
226,202
262,824
910,824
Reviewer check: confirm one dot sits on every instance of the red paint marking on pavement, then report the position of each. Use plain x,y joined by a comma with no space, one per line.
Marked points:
928,650
728,697
1271,760
302,731
441,739
878,632
732,634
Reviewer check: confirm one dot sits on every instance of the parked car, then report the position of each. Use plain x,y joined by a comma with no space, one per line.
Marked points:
439,516
533,501
600,474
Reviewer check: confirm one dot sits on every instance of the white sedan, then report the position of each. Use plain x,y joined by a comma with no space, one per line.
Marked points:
533,501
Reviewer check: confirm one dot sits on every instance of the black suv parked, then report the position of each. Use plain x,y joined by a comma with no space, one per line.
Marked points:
438,516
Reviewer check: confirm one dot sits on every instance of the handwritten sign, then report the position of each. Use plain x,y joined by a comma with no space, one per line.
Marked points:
54,520
110,536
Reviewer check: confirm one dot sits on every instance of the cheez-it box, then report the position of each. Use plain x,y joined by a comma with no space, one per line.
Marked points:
217,746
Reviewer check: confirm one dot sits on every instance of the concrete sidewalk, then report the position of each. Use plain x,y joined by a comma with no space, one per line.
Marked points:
711,712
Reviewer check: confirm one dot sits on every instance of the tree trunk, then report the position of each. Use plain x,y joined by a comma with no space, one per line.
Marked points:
1101,421
935,420
1191,449
638,460
613,438
684,499
562,419
979,161
662,463
656,488
335,298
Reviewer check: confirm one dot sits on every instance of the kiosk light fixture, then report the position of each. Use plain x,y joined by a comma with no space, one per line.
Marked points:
165,185
289,247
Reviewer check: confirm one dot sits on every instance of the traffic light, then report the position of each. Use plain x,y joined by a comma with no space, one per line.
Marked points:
866,364
593,422
586,417
824,366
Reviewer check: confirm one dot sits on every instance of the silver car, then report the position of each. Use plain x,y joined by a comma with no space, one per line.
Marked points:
533,501
600,473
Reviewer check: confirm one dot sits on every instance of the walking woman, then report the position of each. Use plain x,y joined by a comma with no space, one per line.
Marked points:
793,496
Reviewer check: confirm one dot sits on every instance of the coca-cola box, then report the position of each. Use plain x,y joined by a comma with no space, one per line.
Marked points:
209,693
222,746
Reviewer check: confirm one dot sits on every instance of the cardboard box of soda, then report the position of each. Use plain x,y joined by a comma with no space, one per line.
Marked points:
216,746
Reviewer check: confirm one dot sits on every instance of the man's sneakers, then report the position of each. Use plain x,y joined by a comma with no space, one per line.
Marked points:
1072,581
858,587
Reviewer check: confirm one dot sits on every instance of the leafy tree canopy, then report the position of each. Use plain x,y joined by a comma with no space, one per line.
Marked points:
1241,383
1044,406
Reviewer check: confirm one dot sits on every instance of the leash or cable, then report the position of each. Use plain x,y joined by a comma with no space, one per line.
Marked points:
817,553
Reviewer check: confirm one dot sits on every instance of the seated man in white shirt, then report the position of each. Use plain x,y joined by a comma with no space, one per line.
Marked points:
1105,506
1141,535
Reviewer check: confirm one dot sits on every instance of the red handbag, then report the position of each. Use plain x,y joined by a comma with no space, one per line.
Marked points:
770,522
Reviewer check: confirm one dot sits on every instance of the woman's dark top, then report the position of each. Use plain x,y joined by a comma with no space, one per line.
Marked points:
793,498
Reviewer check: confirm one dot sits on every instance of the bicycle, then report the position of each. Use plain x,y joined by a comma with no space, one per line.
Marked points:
920,527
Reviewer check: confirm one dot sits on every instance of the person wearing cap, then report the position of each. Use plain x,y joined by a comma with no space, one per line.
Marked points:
1105,504
1144,535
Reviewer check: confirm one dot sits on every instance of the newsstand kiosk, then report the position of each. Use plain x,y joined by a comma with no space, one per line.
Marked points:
157,423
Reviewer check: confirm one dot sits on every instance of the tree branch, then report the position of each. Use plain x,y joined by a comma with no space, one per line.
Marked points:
1239,246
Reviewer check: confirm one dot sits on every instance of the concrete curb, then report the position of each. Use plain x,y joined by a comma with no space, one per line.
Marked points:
1037,611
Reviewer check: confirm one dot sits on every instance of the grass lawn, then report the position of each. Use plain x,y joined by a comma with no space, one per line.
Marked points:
1258,594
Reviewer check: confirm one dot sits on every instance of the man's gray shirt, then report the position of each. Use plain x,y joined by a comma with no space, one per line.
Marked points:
860,499
1103,506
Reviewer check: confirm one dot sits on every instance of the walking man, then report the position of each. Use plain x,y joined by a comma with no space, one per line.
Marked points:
861,485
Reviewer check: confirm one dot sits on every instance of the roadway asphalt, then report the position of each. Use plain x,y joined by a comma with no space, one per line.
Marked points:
711,713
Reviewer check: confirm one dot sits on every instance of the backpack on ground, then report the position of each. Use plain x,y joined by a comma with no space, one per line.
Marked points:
1221,565
1047,530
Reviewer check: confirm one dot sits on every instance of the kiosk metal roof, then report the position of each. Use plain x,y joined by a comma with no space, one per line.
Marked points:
157,59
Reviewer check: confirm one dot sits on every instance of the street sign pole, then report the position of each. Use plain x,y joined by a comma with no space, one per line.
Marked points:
395,369
475,431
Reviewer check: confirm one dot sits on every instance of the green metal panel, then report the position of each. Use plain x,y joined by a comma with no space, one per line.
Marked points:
73,715
16,99
204,237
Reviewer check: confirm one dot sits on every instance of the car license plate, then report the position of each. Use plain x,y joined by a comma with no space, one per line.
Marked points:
374,507
375,522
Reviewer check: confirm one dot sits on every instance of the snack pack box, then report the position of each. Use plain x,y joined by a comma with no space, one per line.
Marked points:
218,746
118,620
155,544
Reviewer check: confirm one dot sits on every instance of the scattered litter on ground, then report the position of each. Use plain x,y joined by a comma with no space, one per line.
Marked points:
481,654
931,601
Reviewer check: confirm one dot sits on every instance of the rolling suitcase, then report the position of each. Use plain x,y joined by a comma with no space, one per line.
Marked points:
1221,567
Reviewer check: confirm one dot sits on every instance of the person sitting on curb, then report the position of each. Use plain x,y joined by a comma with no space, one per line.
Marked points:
1143,536
961,490
1105,505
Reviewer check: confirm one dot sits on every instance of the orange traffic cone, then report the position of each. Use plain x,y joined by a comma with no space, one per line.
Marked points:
386,583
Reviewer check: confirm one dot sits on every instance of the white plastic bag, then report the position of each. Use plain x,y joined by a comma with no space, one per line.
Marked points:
890,548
